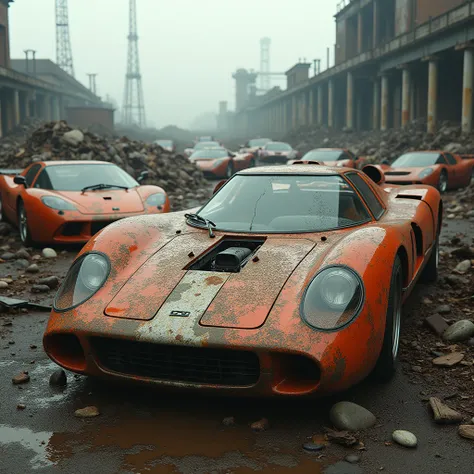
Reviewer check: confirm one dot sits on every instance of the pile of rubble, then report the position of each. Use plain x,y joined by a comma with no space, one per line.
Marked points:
182,180
388,145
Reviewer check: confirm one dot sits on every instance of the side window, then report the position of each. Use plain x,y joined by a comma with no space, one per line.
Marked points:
351,155
450,158
441,160
43,181
31,173
368,195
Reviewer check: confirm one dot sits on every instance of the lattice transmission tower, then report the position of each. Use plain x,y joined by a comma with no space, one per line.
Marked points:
264,73
63,40
133,111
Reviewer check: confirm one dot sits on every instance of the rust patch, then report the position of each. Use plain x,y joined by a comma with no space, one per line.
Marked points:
132,248
214,280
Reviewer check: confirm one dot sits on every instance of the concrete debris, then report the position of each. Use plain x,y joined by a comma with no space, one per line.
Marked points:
349,416
443,309
87,412
40,288
260,425
49,253
52,282
442,413
459,331
352,458
58,378
57,141
21,378
437,324
449,360
405,438
463,267
343,438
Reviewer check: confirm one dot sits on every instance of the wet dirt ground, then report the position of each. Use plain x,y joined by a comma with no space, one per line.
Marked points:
143,430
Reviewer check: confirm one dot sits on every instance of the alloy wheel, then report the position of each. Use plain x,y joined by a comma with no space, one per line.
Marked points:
23,223
397,319
443,183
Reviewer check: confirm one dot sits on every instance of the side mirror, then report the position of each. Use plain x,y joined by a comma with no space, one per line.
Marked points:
142,176
219,186
20,180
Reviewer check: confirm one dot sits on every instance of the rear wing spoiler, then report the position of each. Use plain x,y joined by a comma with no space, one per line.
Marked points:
10,172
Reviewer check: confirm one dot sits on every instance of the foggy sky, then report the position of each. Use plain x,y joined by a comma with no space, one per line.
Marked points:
188,48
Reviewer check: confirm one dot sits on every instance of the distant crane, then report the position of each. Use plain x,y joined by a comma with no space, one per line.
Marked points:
133,111
265,78
63,40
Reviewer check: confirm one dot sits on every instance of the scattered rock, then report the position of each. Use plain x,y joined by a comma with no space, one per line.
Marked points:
49,253
310,446
87,412
7,256
36,257
5,229
22,253
20,406
405,438
33,268
466,431
463,267
52,282
3,285
58,378
40,288
352,458
348,416
260,425
442,413
229,421
459,331
449,360
465,252
443,309
21,378
437,324
22,263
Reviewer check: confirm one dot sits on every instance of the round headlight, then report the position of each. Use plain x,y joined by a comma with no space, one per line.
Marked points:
333,299
57,203
157,199
85,277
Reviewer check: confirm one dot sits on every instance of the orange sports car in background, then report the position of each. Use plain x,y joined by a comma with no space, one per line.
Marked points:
334,157
289,281
221,163
440,169
69,201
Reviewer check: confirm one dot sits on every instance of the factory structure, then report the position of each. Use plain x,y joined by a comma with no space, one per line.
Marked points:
395,61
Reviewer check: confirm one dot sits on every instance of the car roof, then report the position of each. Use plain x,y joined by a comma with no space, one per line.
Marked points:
328,149
434,152
296,169
76,162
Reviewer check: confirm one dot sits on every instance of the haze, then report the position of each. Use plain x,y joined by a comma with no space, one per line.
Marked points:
188,48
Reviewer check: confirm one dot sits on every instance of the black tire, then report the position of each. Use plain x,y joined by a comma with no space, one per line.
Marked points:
430,272
443,182
229,170
388,359
2,215
25,234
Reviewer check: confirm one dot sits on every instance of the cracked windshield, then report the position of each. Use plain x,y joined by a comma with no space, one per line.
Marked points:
231,247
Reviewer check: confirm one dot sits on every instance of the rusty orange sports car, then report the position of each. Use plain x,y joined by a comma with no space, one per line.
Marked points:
289,281
437,168
221,163
69,201
341,157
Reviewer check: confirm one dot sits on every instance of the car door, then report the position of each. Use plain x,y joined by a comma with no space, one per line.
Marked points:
16,190
453,171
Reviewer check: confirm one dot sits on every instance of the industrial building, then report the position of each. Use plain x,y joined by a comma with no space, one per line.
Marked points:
395,61
34,88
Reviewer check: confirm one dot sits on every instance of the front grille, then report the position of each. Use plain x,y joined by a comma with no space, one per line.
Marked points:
397,173
399,183
177,363
98,225
72,228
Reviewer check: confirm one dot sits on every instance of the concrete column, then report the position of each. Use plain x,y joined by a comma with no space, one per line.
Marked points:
375,22
320,105
285,117
432,95
350,101
330,104
384,104
47,108
376,105
359,32
16,108
405,96
303,109
467,90
310,107
293,112
412,100
56,109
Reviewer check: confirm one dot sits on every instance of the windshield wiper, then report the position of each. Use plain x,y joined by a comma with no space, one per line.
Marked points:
209,224
96,187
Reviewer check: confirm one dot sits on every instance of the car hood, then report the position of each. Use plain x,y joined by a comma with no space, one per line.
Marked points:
236,300
104,201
